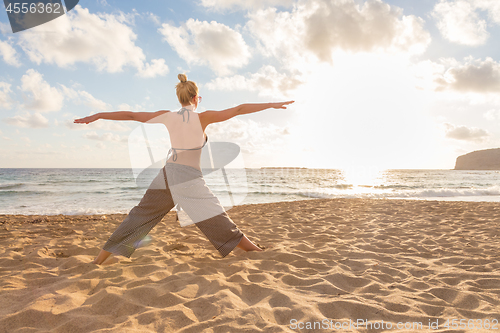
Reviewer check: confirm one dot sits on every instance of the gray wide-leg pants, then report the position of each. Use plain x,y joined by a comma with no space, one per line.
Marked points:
157,202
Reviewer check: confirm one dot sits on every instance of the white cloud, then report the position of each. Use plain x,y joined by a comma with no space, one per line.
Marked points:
267,81
5,28
9,54
85,98
104,40
105,137
124,107
127,107
93,102
477,76
472,75
42,97
320,27
208,43
244,4
465,133
35,120
460,21
492,6
5,100
157,67
154,18
492,114
427,74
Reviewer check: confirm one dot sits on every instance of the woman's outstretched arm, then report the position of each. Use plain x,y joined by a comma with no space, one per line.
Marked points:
209,117
121,115
251,108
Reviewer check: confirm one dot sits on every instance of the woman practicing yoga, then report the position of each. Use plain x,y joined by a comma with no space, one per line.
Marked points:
180,182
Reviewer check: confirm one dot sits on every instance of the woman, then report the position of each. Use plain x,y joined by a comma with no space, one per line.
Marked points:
180,182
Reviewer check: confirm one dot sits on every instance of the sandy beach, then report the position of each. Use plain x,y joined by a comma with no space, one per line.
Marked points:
330,264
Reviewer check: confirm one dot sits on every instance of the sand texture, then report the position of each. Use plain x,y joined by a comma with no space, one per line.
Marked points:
331,261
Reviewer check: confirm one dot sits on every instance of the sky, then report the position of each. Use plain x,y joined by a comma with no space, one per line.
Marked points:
377,84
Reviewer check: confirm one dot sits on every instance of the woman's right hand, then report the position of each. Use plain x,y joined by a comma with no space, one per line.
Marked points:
281,105
86,120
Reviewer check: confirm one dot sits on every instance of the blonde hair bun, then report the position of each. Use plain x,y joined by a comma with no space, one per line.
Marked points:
185,90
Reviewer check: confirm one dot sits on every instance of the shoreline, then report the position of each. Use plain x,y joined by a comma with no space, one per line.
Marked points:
449,199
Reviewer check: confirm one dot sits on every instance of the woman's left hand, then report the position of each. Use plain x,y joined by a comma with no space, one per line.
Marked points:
281,105
87,120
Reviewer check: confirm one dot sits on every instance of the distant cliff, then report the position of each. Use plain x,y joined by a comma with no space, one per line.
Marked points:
488,159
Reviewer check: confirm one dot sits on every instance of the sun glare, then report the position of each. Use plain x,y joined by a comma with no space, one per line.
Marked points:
365,110
362,176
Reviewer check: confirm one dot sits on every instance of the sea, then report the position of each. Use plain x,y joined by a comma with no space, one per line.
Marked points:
73,191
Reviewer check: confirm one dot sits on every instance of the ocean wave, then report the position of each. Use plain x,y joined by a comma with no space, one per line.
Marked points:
12,193
68,211
407,194
10,186
470,192
133,188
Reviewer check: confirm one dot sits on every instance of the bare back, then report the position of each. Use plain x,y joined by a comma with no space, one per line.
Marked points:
186,136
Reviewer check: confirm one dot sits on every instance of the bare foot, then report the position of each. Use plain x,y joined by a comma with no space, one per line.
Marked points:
246,245
109,261
103,255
